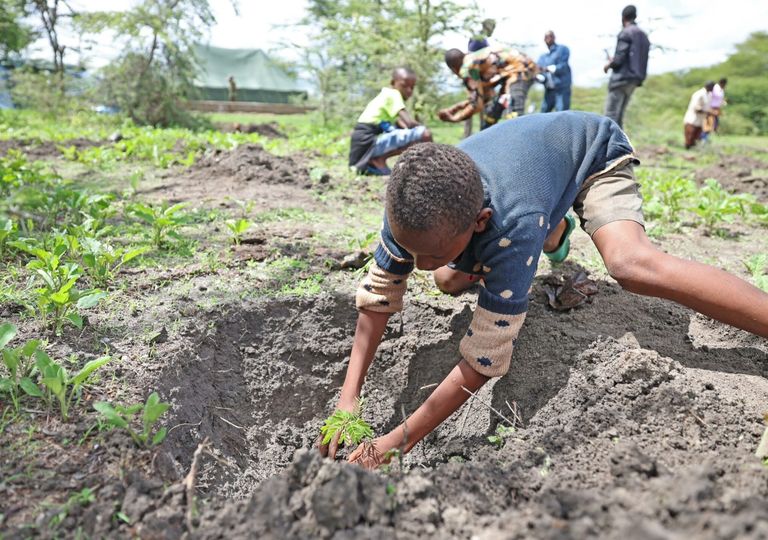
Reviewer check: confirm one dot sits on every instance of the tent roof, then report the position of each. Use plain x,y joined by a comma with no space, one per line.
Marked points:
251,68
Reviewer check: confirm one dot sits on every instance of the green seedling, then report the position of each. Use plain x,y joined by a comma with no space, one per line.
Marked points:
7,230
122,417
165,220
350,426
716,206
237,228
103,261
762,448
55,379
757,266
18,362
57,300
502,432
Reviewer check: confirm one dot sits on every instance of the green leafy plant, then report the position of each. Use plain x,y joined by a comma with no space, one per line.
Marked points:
350,426
103,261
65,388
716,206
757,266
19,364
122,417
165,220
237,228
502,432
58,300
7,230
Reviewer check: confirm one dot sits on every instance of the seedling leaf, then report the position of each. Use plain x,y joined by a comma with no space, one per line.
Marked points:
7,331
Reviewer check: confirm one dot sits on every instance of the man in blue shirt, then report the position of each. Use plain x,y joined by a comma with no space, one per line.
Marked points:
557,76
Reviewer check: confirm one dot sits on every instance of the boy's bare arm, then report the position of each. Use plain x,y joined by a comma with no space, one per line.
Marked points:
405,120
443,402
370,328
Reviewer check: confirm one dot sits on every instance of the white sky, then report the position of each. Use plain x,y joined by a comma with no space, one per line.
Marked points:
692,33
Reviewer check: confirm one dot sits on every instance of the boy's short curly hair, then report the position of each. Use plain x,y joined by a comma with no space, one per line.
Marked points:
434,186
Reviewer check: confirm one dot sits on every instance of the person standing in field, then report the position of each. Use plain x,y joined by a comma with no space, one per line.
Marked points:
557,75
629,65
232,95
480,41
717,102
698,108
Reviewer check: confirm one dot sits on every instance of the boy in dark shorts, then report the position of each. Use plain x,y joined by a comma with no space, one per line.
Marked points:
503,197
385,128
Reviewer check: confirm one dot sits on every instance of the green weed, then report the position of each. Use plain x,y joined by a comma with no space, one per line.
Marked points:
122,417
716,206
237,228
55,379
18,361
757,266
164,220
57,300
103,261
502,432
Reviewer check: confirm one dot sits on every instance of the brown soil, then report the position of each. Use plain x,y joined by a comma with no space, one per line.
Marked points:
44,149
740,174
247,173
271,129
637,417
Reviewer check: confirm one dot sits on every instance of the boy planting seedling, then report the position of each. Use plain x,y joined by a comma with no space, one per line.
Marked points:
485,211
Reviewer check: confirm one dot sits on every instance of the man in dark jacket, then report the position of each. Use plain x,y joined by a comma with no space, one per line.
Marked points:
629,64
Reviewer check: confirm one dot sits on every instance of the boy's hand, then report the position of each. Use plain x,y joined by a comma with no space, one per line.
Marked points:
369,455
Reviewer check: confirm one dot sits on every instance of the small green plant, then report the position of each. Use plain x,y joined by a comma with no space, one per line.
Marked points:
58,383
237,228
762,448
18,361
84,497
716,206
7,230
502,432
757,266
151,411
57,300
350,426
165,220
103,261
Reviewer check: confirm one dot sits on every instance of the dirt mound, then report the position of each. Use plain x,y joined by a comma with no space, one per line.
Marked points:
635,445
740,174
247,172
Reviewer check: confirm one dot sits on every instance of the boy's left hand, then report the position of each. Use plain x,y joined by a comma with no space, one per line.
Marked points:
370,455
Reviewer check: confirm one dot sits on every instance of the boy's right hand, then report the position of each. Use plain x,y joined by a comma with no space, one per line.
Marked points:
330,449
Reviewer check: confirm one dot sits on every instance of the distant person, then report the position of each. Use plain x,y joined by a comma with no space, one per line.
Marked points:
698,107
557,75
480,41
232,88
629,65
717,102
482,72
386,128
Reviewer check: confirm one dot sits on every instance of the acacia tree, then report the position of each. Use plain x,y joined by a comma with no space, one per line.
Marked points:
357,43
155,72
15,35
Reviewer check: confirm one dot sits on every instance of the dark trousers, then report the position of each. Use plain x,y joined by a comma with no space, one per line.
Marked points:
617,100
691,134
556,100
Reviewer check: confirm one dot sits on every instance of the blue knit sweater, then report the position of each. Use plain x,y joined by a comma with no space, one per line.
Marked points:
532,169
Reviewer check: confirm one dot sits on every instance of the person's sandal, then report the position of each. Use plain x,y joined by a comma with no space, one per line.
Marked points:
561,253
375,171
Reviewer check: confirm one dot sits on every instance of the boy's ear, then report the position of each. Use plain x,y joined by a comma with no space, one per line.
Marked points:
481,221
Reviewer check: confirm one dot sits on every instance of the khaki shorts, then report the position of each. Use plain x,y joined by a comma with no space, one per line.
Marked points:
610,195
